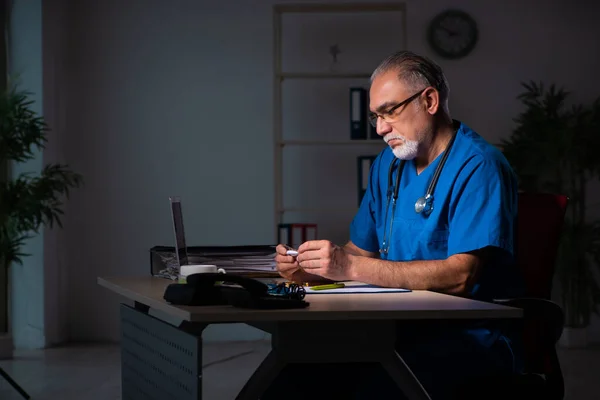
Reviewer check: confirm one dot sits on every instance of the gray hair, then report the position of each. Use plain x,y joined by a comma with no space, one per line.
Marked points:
417,72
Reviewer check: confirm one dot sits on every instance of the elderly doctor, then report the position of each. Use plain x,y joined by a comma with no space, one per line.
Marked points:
438,214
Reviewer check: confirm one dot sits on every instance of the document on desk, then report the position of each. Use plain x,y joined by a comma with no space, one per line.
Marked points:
359,288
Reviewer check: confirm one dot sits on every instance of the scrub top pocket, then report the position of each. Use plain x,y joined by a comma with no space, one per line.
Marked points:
430,244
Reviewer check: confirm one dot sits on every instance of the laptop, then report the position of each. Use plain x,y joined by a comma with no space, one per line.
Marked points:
180,245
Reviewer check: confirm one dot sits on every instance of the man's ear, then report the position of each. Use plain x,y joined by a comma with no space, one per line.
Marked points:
432,100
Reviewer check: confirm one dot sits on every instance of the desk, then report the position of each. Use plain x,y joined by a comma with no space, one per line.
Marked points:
165,360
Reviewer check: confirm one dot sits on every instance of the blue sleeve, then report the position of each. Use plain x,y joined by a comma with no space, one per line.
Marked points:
483,208
363,232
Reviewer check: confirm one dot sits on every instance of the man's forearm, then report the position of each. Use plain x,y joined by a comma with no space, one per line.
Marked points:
351,248
348,248
448,276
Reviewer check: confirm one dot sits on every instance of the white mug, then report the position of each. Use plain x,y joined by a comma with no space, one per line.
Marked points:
186,270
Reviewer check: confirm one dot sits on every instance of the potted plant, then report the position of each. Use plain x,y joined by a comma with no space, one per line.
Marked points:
28,202
554,149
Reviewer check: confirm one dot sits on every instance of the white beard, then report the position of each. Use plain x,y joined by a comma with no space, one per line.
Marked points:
407,150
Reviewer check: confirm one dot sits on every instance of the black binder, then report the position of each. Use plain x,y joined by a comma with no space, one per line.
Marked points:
358,113
373,132
364,164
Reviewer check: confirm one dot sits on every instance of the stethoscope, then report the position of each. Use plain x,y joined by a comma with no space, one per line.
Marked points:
423,205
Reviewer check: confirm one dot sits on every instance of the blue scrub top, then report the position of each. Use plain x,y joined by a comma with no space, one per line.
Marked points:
474,206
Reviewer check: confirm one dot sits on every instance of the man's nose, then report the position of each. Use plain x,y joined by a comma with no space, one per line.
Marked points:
383,127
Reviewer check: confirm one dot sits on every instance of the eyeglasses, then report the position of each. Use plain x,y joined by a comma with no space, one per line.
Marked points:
386,116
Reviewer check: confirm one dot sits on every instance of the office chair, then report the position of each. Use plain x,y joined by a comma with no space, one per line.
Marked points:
539,226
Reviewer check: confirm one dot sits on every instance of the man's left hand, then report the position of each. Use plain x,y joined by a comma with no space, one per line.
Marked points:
323,258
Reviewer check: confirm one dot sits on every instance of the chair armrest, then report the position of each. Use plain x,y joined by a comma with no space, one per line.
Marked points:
546,315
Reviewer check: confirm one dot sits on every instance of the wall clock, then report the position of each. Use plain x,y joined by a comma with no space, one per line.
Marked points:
452,34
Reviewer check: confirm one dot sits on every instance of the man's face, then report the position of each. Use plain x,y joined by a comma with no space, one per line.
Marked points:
406,127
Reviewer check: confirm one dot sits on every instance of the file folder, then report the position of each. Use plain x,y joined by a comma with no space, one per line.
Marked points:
372,130
364,164
358,113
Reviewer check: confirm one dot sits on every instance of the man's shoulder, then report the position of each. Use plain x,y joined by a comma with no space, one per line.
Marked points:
477,152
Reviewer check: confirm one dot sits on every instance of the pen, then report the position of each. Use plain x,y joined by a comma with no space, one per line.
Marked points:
290,251
328,286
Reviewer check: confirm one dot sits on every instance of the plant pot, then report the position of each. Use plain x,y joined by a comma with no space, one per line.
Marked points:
6,346
573,337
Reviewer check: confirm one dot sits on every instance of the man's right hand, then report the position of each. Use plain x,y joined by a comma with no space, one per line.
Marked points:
288,267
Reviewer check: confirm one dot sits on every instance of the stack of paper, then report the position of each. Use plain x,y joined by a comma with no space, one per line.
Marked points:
246,260
237,263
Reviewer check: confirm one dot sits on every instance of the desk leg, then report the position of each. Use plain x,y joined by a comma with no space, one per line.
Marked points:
333,342
403,376
141,307
159,360
264,375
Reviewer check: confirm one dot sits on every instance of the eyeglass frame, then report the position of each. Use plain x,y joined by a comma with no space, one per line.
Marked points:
374,117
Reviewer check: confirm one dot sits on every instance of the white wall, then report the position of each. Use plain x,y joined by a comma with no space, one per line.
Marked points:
175,98
168,99
56,296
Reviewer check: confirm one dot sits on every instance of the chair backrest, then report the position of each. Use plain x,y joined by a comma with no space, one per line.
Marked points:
539,225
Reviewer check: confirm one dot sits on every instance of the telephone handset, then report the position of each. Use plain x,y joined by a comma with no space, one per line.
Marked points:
216,289
209,279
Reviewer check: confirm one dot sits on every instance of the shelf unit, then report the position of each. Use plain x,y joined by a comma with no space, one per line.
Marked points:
281,76
328,142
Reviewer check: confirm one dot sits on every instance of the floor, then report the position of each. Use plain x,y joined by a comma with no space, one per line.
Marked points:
91,372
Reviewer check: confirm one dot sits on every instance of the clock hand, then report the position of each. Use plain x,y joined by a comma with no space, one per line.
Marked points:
448,31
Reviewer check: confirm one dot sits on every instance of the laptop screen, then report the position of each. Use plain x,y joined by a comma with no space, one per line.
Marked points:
180,245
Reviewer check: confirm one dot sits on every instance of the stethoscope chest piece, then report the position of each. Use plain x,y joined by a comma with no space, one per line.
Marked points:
424,204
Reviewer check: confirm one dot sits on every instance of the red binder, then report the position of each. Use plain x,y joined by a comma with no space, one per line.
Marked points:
294,234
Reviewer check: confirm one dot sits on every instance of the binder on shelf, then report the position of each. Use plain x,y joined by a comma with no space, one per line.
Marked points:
358,113
372,130
364,164
294,234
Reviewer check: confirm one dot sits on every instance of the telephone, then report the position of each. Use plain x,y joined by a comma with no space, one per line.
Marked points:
216,289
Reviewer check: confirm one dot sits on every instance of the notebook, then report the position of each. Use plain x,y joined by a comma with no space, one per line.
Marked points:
356,288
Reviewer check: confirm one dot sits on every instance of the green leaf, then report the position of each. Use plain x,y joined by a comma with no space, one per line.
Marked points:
28,201
553,148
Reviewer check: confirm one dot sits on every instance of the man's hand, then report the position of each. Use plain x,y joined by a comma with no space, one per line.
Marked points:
288,267
323,258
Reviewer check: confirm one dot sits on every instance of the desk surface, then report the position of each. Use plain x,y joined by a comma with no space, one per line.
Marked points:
373,306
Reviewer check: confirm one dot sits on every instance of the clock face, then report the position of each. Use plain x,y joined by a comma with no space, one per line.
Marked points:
452,34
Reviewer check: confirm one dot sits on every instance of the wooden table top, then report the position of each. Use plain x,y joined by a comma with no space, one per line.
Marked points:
149,290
